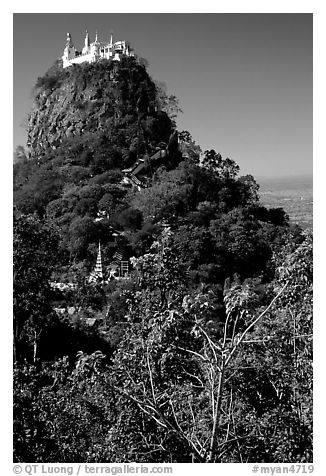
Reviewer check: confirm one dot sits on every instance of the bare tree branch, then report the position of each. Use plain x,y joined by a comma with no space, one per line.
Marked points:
150,376
245,332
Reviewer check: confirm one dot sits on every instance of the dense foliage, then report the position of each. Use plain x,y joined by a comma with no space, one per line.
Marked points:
203,352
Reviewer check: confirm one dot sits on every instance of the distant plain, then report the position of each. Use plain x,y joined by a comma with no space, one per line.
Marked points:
293,193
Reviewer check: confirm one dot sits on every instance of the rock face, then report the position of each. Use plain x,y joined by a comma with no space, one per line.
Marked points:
104,97
88,123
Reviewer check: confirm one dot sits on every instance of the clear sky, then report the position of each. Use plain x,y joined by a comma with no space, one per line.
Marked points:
244,81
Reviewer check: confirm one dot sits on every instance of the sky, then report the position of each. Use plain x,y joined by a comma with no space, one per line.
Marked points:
243,81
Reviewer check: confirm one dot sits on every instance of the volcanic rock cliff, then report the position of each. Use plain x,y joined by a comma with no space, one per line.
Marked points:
114,99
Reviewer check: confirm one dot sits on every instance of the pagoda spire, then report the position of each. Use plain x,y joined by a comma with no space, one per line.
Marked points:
69,40
86,39
98,270
86,48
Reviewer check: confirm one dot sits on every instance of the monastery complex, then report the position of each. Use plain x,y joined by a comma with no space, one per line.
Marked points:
92,52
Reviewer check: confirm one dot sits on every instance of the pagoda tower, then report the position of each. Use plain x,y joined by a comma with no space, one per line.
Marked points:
86,48
69,52
97,273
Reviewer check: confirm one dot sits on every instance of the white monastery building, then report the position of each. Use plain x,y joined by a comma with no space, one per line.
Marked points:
92,52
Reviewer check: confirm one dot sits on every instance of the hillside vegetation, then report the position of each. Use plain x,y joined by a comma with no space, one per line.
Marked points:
202,351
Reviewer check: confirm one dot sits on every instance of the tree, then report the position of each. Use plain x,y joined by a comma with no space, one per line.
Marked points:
86,206
168,103
275,368
82,231
249,189
35,254
188,147
213,391
241,243
63,413
195,249
130,219
224,168
168,197
170,356
188,383
20,154
41,188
